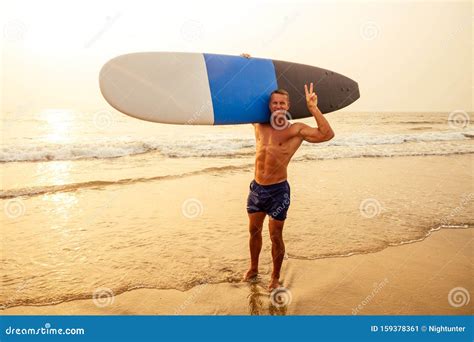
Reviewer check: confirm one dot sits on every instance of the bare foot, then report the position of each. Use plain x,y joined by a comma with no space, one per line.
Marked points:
250,275
274,283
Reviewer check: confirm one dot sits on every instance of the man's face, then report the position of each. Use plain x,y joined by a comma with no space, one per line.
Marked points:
279,102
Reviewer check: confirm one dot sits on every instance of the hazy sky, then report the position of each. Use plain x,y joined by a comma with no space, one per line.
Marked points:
405,55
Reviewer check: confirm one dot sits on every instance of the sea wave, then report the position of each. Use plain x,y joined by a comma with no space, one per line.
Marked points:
204,147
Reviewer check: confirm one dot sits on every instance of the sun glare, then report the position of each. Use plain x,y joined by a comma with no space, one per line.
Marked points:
59,123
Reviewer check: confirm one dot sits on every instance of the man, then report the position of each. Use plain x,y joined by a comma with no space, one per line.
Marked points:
269,191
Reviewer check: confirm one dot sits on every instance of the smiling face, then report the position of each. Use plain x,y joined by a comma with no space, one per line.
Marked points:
279,102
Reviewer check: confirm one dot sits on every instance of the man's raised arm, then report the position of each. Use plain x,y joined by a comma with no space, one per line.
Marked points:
324,131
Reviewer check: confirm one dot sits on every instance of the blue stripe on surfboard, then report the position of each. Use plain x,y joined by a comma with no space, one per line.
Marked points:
240,88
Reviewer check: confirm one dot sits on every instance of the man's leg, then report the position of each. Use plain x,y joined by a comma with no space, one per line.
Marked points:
255,242
278,250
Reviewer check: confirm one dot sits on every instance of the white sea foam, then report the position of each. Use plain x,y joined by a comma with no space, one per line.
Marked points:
219,146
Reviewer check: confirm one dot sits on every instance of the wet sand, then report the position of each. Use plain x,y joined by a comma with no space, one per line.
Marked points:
412,279
346,234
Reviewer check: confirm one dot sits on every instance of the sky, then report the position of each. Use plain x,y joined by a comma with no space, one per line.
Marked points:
405,55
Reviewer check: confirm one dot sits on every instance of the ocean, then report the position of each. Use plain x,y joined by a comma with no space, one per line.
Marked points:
97,200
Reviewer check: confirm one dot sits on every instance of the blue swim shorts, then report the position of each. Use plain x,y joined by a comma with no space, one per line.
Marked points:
273,199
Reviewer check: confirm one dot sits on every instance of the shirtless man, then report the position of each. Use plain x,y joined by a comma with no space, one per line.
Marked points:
269,191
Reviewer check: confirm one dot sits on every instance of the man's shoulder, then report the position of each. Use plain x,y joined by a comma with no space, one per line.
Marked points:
297,126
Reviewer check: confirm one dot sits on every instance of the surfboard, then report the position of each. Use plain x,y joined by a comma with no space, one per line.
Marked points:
214,89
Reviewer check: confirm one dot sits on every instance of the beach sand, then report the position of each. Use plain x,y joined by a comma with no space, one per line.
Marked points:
412,279
382,276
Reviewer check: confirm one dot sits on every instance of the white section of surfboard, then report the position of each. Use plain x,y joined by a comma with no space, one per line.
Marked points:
162,87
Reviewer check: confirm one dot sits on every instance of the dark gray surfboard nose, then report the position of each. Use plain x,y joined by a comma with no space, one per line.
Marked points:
335,91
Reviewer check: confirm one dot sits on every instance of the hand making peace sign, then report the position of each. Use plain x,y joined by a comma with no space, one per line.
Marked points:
311,97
